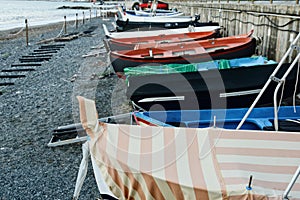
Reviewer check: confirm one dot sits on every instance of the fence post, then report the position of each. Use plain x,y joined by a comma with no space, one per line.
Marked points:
90,15
76,21
26,31
83,17
65,24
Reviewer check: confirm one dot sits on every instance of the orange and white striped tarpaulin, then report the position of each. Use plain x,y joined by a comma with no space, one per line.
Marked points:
186,163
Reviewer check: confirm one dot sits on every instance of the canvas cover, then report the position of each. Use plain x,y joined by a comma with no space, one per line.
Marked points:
193,67
185,163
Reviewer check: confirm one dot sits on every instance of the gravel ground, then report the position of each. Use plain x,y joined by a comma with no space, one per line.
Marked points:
44,100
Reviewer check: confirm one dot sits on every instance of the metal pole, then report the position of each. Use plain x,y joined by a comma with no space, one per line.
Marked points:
65,24
268,82
277,89
26,31
291,184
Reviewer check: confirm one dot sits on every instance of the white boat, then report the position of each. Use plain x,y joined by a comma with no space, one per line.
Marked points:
131,34
147,162
156,13
123,16
127,21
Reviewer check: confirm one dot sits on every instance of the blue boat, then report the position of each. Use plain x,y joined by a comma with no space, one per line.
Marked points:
259,119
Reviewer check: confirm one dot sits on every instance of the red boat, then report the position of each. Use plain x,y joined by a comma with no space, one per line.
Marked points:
185,52
130,43
159,5
163,45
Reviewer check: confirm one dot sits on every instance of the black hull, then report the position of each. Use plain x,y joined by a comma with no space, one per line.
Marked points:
128,25
247,50
206,90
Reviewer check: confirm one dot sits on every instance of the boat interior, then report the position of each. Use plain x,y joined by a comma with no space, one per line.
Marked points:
260,118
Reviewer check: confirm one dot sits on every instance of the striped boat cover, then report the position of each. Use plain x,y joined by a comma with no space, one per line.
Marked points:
185,163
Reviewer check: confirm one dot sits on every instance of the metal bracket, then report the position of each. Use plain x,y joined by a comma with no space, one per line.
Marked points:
295,47
275,79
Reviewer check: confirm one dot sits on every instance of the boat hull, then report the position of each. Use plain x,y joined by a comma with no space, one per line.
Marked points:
120,62
227,88
151,33
259,119
130,43
129,25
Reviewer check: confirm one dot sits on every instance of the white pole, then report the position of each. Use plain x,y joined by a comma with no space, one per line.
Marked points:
277,89
291,184
268,82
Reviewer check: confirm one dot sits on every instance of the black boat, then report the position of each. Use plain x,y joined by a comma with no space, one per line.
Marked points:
209,89
127,22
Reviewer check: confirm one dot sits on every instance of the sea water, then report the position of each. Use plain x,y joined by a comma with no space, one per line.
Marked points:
14,12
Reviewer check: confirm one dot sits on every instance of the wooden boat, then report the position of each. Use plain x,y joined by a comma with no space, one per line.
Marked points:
151,33
260,118
166,13
159,5
167,45
130,43
126,22
214,88
197,67
136,162
185,52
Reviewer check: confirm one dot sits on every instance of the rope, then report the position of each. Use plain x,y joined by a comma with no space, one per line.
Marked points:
9,36
273,24
281,96
136,107
62,29
72,25
31,29
295,91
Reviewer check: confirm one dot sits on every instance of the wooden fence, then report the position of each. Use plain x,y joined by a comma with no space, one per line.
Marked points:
275,25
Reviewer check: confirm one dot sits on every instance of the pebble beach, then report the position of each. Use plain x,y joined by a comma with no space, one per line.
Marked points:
45,99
